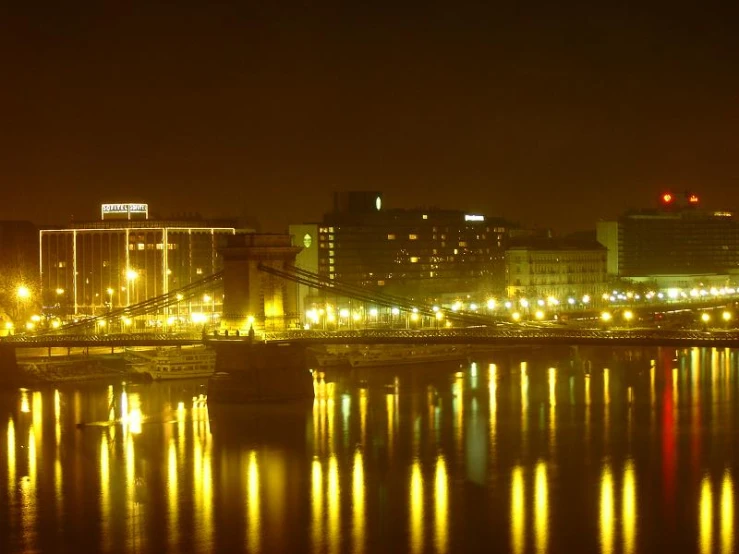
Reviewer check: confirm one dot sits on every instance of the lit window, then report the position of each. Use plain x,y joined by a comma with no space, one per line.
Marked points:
462,244
140,246
380,283
425,216
414,259
160,246
391,237
62,265
413,236
199,270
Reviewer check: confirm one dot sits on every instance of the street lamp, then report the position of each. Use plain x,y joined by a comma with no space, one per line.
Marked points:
628,316
131,276
23,292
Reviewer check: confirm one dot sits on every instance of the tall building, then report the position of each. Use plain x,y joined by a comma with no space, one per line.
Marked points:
418,253
675,244
127,258
560,268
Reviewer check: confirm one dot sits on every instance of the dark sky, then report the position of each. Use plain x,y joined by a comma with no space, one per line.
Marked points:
553,116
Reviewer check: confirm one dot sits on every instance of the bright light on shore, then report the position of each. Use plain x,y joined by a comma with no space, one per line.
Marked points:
23,292
606,316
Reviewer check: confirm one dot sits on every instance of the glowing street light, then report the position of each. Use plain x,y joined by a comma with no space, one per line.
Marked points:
628,315
516,316
23,292
131,274
705,317
726,316
606,316
539,314
59,291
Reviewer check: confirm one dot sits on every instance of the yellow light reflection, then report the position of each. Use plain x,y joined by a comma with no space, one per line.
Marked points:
674,386
441,517
652,395
493,386
518,511
587,390
363,414
606,511
104,489
57,417
390,404
358,502
28,500
416,505
25,407
254,528
552,404
629,507
317,505
727,514
541,514
334,516
172,495
458,407
11,465
706,517
134,417
606,386
552,386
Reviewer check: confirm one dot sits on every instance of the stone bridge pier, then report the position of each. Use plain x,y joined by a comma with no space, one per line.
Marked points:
253,298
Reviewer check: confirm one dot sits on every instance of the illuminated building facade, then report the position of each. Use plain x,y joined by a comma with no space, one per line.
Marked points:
419,253
677,241
127,258
558,268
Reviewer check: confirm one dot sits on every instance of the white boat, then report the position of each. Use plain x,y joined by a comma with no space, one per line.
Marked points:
382,356
188,362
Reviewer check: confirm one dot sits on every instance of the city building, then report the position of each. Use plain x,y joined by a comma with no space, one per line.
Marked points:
126,258
415,253
679,244
555,268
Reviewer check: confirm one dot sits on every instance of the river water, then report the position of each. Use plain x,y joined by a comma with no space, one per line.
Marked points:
596,450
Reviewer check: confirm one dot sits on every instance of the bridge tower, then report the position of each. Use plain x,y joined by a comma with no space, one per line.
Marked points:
254,298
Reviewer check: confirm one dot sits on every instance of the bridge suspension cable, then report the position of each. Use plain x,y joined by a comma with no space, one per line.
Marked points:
355,292
151,305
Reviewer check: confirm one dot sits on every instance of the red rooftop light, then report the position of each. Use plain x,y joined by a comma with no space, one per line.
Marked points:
667,198
693,199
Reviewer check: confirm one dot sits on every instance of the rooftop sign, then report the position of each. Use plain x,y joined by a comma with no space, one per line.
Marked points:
470,217
124,210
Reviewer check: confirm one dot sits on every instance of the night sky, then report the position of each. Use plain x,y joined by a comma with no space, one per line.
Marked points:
553,116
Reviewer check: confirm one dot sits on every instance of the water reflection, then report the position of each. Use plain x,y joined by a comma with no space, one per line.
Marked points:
727,514
415,502
706,517
518,508
606,511
541,503
561,452
628,517
441,515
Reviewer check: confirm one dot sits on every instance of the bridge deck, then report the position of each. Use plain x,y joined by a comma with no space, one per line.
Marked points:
483,336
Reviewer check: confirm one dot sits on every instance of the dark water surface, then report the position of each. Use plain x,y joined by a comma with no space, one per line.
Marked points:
527,451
